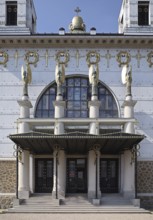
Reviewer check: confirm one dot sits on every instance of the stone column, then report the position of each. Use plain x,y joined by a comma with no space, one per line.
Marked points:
94,113
61,174
129,168
94,105
23,178
92,174
59,113
32,174
59,155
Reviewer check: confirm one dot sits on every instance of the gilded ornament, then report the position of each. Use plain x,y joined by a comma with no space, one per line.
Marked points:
3,55
150,59
32,57
93,58
62,58
123,58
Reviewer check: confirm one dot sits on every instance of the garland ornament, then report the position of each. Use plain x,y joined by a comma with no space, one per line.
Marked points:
4,56
93,58
123,58
62,57
32,57
150,59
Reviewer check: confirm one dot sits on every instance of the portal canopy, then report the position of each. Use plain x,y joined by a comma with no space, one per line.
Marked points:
76,142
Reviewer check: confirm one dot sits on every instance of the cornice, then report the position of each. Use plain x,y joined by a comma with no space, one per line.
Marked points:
75,41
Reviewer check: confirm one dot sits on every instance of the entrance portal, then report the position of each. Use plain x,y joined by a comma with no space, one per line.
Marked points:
76,176
109,175
43,175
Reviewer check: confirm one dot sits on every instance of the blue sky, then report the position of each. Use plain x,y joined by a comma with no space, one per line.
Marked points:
53,14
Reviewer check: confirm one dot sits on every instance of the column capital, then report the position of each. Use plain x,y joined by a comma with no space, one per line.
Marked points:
130,103
24,103
95,103
59,103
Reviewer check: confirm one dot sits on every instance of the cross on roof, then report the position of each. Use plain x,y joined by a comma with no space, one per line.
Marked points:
77,10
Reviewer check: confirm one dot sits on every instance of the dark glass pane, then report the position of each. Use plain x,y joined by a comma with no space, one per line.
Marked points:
70,82
70,105
52,91
143,13
84,93
77,114
77,82
84,105
45,114
84,82
45,102
84,114
51,114
76,93
38,114
70,93
39,105
11,13
77,105
70,114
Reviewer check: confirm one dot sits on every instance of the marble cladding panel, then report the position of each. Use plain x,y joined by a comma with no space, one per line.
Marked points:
8,176
145,176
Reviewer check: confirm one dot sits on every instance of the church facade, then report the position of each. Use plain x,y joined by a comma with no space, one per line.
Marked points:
76,107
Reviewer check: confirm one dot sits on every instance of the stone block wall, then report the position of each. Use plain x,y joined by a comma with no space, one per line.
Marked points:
7,183
145,183
145,176
7,176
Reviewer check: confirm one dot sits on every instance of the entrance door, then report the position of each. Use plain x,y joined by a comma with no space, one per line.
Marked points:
109,175
76,176
43,175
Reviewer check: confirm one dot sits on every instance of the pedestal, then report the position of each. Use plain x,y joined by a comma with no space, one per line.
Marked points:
23,166
92,175
23,187
59,180
129,168
59,113
94,113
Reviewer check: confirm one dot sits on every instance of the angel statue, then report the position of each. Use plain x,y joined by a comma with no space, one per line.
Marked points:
26,75
59,77
127,79
94,78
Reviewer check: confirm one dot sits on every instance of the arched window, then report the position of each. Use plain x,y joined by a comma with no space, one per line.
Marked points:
77,94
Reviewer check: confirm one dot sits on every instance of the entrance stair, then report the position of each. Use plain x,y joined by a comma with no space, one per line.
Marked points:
76,203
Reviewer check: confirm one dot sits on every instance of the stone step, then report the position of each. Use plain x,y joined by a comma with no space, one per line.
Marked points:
78,211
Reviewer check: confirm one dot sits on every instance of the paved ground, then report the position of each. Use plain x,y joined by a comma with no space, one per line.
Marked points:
76,216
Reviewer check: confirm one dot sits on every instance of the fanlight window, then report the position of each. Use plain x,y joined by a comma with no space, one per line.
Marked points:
77,94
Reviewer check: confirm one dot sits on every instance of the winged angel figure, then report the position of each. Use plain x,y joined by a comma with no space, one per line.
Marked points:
26,75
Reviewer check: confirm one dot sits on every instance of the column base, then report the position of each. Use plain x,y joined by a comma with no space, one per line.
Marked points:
136,202
23,194
96,202
61,195
92,195
129,194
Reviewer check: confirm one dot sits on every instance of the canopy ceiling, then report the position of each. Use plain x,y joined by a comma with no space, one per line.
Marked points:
76,142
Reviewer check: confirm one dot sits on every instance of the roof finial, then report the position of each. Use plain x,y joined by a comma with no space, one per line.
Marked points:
77,10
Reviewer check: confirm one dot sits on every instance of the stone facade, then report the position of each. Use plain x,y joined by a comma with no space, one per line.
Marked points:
145,177
8,176
147,202
6,202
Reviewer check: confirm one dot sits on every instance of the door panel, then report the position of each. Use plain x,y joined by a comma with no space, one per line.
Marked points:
43,175
109,175
76,176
